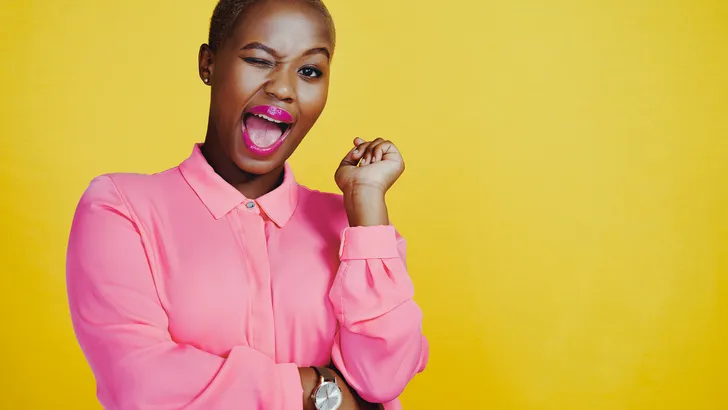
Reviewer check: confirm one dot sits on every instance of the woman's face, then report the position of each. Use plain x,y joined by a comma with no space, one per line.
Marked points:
270,81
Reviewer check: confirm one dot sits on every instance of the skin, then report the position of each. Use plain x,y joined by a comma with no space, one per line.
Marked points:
279,54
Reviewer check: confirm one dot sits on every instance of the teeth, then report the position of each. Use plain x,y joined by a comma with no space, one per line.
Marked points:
265,117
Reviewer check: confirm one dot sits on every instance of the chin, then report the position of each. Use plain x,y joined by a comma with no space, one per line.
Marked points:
255,165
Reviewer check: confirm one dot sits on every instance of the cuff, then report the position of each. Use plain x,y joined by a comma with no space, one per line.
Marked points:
369,242
292,391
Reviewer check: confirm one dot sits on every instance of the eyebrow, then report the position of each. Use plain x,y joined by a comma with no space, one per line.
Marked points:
260,46
319,50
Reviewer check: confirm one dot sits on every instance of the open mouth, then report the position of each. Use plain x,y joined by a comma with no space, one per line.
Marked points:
265,128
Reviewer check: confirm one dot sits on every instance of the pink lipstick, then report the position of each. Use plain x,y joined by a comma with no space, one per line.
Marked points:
265,127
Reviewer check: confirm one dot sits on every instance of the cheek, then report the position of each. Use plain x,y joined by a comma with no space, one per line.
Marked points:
236,87
312,98
247,80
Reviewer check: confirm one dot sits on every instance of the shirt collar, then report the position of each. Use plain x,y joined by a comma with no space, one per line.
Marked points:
220,197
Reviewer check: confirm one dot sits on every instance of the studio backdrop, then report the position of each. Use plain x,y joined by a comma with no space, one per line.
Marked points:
565,200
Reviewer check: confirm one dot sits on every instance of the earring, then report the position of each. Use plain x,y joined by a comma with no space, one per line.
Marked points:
206,80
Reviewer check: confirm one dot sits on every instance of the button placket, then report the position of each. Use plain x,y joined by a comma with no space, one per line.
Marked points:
255,251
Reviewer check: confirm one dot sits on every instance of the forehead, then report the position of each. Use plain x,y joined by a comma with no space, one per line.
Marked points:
286,26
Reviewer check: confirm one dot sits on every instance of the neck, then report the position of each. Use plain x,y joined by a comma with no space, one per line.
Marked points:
250,185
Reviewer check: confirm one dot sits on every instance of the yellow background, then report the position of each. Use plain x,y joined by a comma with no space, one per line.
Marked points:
565,200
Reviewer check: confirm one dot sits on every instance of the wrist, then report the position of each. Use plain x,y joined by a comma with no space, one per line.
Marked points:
365,206
317,388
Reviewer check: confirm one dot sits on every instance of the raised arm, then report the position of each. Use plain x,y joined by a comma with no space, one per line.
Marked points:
380,346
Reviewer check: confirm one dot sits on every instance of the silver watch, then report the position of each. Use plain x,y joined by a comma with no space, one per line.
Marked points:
327,395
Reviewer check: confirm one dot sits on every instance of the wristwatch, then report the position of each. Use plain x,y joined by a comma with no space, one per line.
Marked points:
327,395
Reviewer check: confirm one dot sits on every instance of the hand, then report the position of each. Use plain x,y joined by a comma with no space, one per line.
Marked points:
375,164
364,176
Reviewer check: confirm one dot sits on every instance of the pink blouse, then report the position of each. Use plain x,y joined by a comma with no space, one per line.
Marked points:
185,294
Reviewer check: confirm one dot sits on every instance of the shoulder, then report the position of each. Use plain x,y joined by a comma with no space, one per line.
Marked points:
119,190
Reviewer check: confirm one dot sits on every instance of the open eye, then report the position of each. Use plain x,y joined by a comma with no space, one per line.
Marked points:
310,72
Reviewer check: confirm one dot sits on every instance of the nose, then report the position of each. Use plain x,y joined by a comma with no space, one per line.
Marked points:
281,86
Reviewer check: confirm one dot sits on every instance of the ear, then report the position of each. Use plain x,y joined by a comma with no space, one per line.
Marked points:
205,62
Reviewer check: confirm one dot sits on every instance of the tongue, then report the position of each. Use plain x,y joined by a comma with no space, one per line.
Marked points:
262,133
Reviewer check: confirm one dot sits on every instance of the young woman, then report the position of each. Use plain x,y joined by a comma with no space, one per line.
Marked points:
224,284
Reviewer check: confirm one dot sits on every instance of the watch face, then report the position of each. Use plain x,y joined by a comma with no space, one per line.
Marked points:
328,396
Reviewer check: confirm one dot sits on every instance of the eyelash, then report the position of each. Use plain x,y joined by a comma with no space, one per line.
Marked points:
316,73
258,62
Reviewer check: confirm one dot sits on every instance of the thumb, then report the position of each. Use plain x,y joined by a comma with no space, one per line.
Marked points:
358,141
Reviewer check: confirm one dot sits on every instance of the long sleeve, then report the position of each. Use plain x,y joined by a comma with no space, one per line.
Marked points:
380,346
123,328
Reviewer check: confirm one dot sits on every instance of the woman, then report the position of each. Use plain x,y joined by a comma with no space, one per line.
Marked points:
224,284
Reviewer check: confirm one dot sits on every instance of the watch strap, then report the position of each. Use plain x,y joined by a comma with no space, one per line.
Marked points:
324,373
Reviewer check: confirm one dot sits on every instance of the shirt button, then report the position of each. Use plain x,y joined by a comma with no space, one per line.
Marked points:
250,205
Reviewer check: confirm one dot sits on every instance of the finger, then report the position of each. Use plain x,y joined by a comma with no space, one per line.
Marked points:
370,152
380,150
390,152
352,157
355,154
373,149
360,146
364,150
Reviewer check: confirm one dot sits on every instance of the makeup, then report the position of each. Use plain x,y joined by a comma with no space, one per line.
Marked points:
265,127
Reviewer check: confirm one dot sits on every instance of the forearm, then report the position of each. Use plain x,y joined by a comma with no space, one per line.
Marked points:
361,403
380,363
380,345
149,376
365,206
